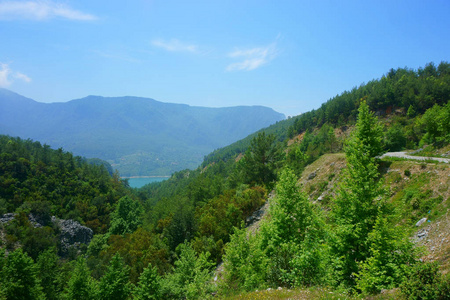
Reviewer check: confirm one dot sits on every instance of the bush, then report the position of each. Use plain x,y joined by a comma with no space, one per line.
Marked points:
425,282
395,138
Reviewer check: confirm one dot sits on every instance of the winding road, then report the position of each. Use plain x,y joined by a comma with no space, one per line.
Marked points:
405,155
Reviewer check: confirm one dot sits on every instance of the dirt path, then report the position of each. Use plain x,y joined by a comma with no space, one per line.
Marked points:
406,156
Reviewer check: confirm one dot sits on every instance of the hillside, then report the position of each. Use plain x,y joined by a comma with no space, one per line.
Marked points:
340,221
138,136
320,181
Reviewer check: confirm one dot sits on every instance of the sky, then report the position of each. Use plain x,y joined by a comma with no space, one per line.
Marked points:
291,56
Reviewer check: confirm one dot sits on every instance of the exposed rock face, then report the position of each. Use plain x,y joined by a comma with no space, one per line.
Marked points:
72,234
7,217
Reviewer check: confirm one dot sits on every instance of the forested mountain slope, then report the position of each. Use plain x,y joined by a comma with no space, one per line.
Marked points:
346,227
138,136
400,92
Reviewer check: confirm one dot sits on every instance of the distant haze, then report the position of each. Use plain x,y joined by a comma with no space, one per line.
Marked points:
138,136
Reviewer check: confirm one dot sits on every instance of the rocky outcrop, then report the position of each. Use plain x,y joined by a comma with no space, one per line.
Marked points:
7,217
72,234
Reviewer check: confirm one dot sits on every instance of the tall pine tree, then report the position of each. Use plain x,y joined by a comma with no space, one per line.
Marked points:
359,197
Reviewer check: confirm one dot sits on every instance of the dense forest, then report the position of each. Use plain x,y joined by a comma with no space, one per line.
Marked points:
165,239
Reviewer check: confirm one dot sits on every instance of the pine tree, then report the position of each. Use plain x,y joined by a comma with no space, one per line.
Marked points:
293,235
149,285
359,197
127,216
48,267
81,285
260,160
114,285
390,254
19,278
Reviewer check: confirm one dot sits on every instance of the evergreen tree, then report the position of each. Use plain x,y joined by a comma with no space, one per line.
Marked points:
368,133
357,203
48,267
81,285
19,277
191,277
245,264
291,212
149,285
390,255
127,216
114,285
293,235
260,160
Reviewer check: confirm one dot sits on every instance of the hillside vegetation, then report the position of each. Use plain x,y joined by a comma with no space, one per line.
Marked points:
138,136
338,225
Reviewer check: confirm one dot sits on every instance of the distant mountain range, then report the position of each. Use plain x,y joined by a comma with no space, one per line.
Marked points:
138,136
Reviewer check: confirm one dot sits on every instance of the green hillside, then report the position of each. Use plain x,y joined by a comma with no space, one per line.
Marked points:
336,222
138,136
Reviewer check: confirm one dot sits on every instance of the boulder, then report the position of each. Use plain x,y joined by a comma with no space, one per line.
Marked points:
312,175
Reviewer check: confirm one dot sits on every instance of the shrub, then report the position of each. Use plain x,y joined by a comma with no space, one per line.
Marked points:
425,282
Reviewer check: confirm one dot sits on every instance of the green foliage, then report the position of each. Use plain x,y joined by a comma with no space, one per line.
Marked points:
395,139
81,285
191,278
291,213
178,222
436,122
368,133
390,254
245,264
49,271
19,277
33,240
415,91
293,236
311,264
356,206
312,146
424,281
114,284
218,218
127,216
260,160
288,250
39,180
411,113
296,160
149,285
138,250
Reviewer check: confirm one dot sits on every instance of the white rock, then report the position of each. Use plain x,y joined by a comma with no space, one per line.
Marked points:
421,221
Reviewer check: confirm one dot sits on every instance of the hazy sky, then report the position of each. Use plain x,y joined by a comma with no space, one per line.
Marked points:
288,55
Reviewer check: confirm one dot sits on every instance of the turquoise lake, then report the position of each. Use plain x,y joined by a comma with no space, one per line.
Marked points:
138,182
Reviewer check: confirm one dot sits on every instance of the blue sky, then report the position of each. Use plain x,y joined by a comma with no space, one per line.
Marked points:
288,55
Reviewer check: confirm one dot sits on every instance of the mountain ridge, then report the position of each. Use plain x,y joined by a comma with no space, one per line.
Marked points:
137,135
